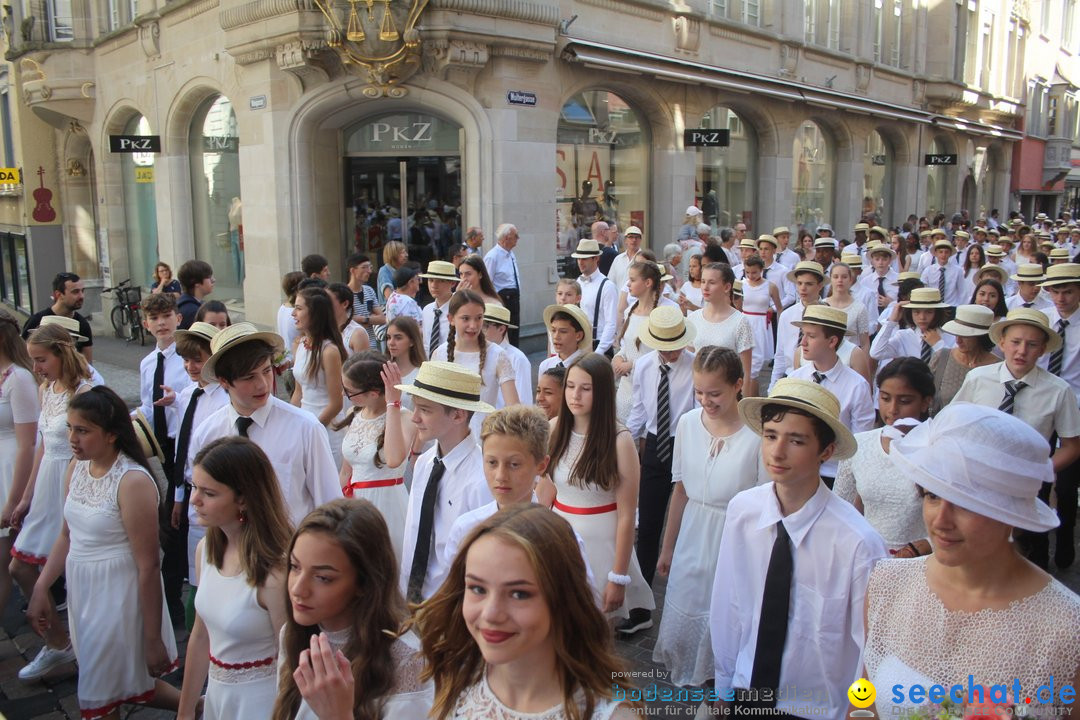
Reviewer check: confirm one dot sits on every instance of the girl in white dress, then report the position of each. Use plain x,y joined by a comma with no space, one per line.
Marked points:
644,283
690,298
240,569
925,314
716,457
536,649
318,356
870,480
19,411
353,336
840,281
341,651
596,474
108,549
377,443
760,302
719,323
39,514
405,346
467,346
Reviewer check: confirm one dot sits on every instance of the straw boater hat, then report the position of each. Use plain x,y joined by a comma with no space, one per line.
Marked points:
852,260
861,227
825,243
580,318
234,336
68,323
825,316
1026,316
944,243
999,270
200,331
938,231
1059,255
907,275
748,244
666,329
882,248
448,384
807,266
994,251
808,397
925,233
1061,275
664,274
440,270
926,299
632,230
497,314
982,460
1029,272
962,234
884,233
587,248
778,231
970,321
736,288
144,432
769,239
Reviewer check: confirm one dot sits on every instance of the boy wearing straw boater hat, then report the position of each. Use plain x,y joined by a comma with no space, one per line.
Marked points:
496,330
663,390
1029,292
823,329
448,479
808,277
947,277
242,362
880,281
1039,397
793,566
599,296
441,279
773,270
1062,283
786,256
570,334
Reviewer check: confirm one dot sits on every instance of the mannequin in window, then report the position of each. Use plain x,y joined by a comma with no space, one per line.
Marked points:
710,207
236,237
585,206
611,203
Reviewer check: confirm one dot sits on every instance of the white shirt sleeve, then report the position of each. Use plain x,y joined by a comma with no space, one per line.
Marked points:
608,308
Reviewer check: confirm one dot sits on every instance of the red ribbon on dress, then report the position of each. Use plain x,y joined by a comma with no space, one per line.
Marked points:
352,487
597,510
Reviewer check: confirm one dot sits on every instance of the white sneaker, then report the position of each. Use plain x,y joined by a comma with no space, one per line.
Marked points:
47,660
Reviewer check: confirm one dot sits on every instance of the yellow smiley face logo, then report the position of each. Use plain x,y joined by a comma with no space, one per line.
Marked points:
862,693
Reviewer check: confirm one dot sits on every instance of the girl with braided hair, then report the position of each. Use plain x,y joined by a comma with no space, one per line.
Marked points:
645,285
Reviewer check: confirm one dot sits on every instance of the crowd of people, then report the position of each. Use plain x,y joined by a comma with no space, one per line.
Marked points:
840,456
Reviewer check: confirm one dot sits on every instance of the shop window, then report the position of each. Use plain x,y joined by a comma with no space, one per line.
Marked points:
214,144
938,178
726,177
812,177
140,207
600,167
877,178
14,271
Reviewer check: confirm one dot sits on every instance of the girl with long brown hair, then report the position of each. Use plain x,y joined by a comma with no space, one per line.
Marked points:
596,473
405,346
240,570
645,285
318,356
514,631
476,277
342,654
39,514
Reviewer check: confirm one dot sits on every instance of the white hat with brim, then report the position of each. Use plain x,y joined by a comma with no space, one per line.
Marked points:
925,298
736,288
807,266
144,433
68,323
587,248
666,329
883,232
1031,272
970,321
579,317
944,243
882,249
861,227
440,270
1000,271
825,316
747,244
826,243
782,230
693,210
994,251
768,239
1061,275
497,314
632,230
1059,255
1026,316
232,337
200,331
907,275
983,460
808,397
448,384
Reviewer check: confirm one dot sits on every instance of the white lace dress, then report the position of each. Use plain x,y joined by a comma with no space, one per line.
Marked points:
497,369
19,403
630,350
383,486
757,301
411,698
912,638
315,397
597,530
478,702
733,332
104,608
712,470
42,523
243,650
891,503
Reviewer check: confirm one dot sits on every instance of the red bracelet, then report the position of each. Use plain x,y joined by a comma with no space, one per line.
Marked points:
395,404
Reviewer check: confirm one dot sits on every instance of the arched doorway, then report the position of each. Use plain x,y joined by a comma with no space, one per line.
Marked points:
813,173
727,176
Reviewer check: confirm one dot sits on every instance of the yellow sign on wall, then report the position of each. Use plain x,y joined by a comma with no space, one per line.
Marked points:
10,176
144,174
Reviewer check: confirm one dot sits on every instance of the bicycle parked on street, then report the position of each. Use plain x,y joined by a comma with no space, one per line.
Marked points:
126,315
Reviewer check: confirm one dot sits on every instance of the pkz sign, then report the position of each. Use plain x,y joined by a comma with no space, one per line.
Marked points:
135,143
703,137
940,159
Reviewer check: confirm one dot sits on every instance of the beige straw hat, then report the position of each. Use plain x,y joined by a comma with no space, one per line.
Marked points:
68,323
769,239
970,321
994,251
808,397
587,248
1026,316
864,227
926,299
782,230
807,266
999,270
497,314
579,317
748,244
200,331
944,243
440,270
825,316
1061,274
234,336
144,432
448,384
1031,272
666,329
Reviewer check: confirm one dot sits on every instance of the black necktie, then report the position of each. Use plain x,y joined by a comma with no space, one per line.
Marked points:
881,285
1012,389
663,416
418,572
161,426
242,425
183,440
1058,356
773,623
1029,304
560,365
436,333
941,283
765,273
926,352
819,377
513,266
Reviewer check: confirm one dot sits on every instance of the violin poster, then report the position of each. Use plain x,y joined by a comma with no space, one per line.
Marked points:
43,210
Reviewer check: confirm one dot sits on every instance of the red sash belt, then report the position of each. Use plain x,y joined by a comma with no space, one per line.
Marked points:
598,510
349,489
244,665
747,312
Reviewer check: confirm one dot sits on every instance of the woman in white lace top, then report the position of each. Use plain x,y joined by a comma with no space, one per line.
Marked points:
515,633
342,654
975,612
870,480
